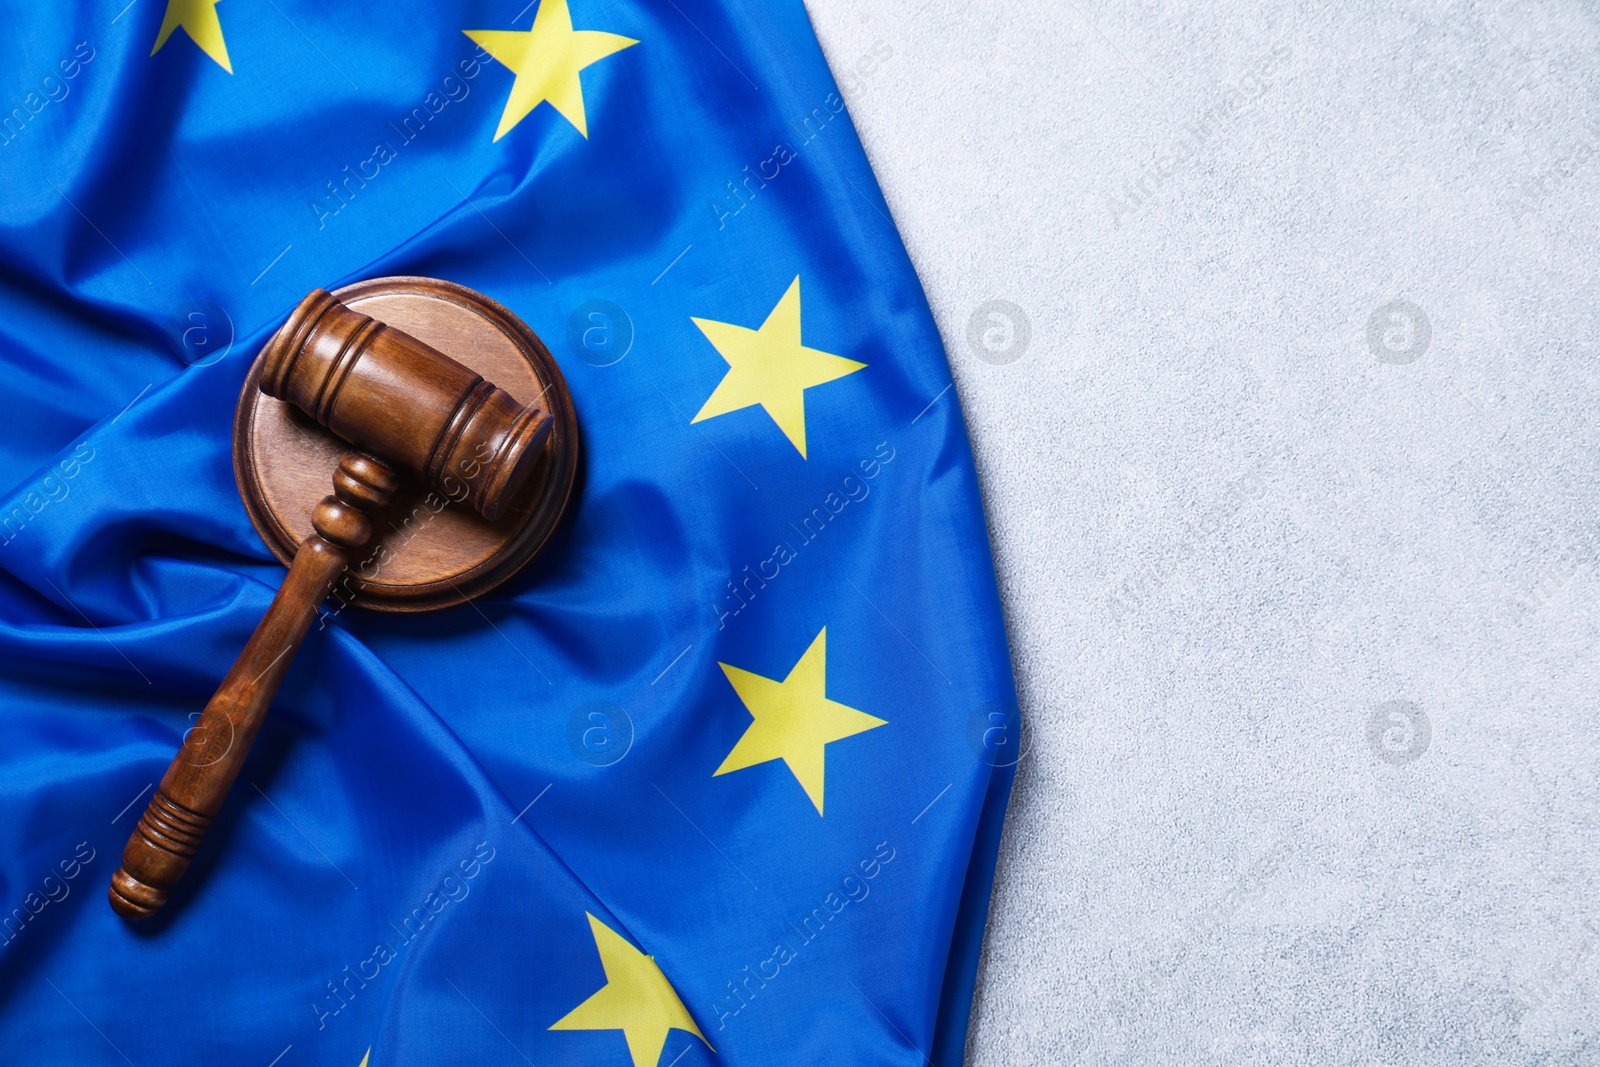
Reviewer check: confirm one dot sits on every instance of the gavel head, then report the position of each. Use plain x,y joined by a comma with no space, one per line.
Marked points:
402,400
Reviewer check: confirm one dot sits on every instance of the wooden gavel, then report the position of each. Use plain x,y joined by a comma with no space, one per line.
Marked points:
401,403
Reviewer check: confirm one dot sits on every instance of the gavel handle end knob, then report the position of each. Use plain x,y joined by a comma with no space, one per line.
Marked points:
158,852
132,899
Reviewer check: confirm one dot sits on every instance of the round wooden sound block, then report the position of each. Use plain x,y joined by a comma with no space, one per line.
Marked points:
429,551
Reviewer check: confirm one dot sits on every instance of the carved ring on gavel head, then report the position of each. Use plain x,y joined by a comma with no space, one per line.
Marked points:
364,367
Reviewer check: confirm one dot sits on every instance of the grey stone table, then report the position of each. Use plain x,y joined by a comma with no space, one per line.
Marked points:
1276,333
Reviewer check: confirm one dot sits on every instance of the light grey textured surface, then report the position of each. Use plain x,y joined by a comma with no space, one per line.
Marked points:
1240,505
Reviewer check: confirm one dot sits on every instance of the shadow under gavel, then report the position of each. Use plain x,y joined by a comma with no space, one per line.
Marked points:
401,403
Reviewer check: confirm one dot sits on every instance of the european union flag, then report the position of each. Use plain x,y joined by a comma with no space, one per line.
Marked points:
718,779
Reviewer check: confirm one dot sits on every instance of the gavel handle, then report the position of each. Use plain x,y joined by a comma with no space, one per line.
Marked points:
198,780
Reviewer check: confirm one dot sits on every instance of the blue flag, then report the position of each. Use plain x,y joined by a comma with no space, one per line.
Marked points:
718,779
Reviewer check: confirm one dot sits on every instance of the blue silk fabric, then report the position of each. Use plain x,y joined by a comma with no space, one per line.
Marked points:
448,816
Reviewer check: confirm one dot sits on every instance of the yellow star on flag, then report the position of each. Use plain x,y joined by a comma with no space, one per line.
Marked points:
636,999
365,1058
771,367
199,19
546,61
794,719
